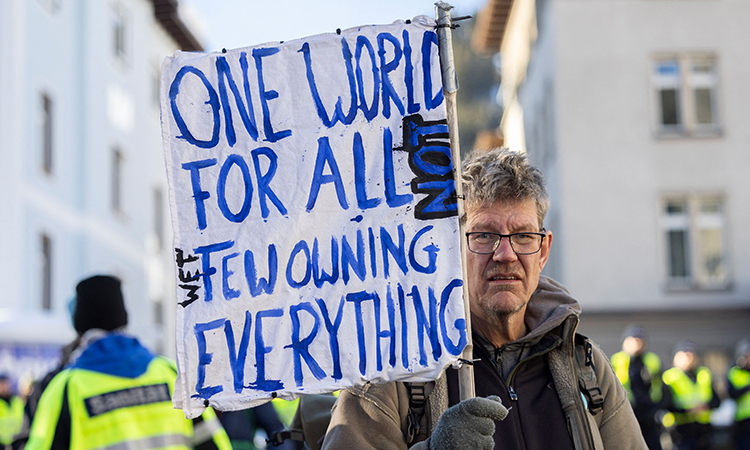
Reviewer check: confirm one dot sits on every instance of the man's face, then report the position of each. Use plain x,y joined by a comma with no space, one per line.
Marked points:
684,360
501,284
633,346
5,388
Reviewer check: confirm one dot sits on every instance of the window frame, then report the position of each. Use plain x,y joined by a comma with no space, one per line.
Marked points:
159,212
120,30
46,128
672,222
694,222
156,87
117,176
686,83
52,6
46,272
660,83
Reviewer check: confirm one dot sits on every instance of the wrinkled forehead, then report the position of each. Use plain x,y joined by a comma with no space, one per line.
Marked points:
514,215
472,205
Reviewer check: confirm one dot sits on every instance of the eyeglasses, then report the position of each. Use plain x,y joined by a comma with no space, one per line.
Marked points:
526,243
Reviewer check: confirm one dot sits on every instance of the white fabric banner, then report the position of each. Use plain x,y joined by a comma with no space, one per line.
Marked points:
314,212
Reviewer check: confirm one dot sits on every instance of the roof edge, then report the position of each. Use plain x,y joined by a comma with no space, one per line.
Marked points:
165,12
490,26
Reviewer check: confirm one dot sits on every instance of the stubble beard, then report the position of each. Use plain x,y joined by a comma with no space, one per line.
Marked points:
500,315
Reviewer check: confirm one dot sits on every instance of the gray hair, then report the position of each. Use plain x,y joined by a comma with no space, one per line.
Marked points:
505,175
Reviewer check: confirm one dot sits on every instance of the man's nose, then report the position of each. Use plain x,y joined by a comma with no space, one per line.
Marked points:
504,251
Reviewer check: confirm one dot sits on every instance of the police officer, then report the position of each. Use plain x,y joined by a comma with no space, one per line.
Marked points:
115,393
738,387
640,372
690,397
11,412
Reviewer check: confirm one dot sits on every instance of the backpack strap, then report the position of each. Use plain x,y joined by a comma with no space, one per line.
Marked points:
310,421
417,402
587,381
279,437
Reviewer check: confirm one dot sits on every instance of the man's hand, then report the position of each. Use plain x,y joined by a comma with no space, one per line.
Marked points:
469,425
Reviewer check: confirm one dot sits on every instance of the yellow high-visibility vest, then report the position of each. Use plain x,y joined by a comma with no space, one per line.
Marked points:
687,395
111,412
621,364
739,379
285,409
11,419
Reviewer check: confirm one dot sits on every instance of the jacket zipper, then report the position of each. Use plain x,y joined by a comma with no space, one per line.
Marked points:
511,391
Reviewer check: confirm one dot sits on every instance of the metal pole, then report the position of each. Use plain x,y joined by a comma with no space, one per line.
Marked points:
450,87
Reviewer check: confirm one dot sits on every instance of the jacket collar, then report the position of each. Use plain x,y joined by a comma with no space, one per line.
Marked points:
114,354
549,306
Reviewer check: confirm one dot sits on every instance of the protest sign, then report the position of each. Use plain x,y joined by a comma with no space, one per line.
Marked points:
314,212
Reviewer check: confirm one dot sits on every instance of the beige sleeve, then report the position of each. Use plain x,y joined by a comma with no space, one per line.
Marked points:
369,417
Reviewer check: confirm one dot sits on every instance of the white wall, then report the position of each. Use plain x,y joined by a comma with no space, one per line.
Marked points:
100,102
611,168
538,95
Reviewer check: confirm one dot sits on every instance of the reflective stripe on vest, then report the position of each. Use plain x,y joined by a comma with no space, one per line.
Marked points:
204,431
621,364
116,412
161,441
688,395
739,379
11,419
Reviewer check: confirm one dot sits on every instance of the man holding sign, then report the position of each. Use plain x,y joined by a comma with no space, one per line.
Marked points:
529,363
315,216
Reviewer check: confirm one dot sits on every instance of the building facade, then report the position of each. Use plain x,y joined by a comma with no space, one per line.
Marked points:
83,171
636,110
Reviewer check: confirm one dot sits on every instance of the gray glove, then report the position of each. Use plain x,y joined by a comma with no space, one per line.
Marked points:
468,425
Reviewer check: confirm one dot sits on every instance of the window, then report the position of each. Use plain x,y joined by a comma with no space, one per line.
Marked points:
695,241
117,168
119,32
46,133
155,87
678,226
46,272
158,312
685,88
668,78
703,81
52,6
159,218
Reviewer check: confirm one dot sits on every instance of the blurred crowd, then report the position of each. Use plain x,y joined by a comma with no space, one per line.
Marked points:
674,405
109,391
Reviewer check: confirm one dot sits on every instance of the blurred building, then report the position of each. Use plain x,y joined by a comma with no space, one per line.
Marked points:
636,111
82,180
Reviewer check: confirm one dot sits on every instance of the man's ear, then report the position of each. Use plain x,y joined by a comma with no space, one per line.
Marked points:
544,252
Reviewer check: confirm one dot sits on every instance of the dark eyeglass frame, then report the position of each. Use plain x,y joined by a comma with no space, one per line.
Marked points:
542,233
